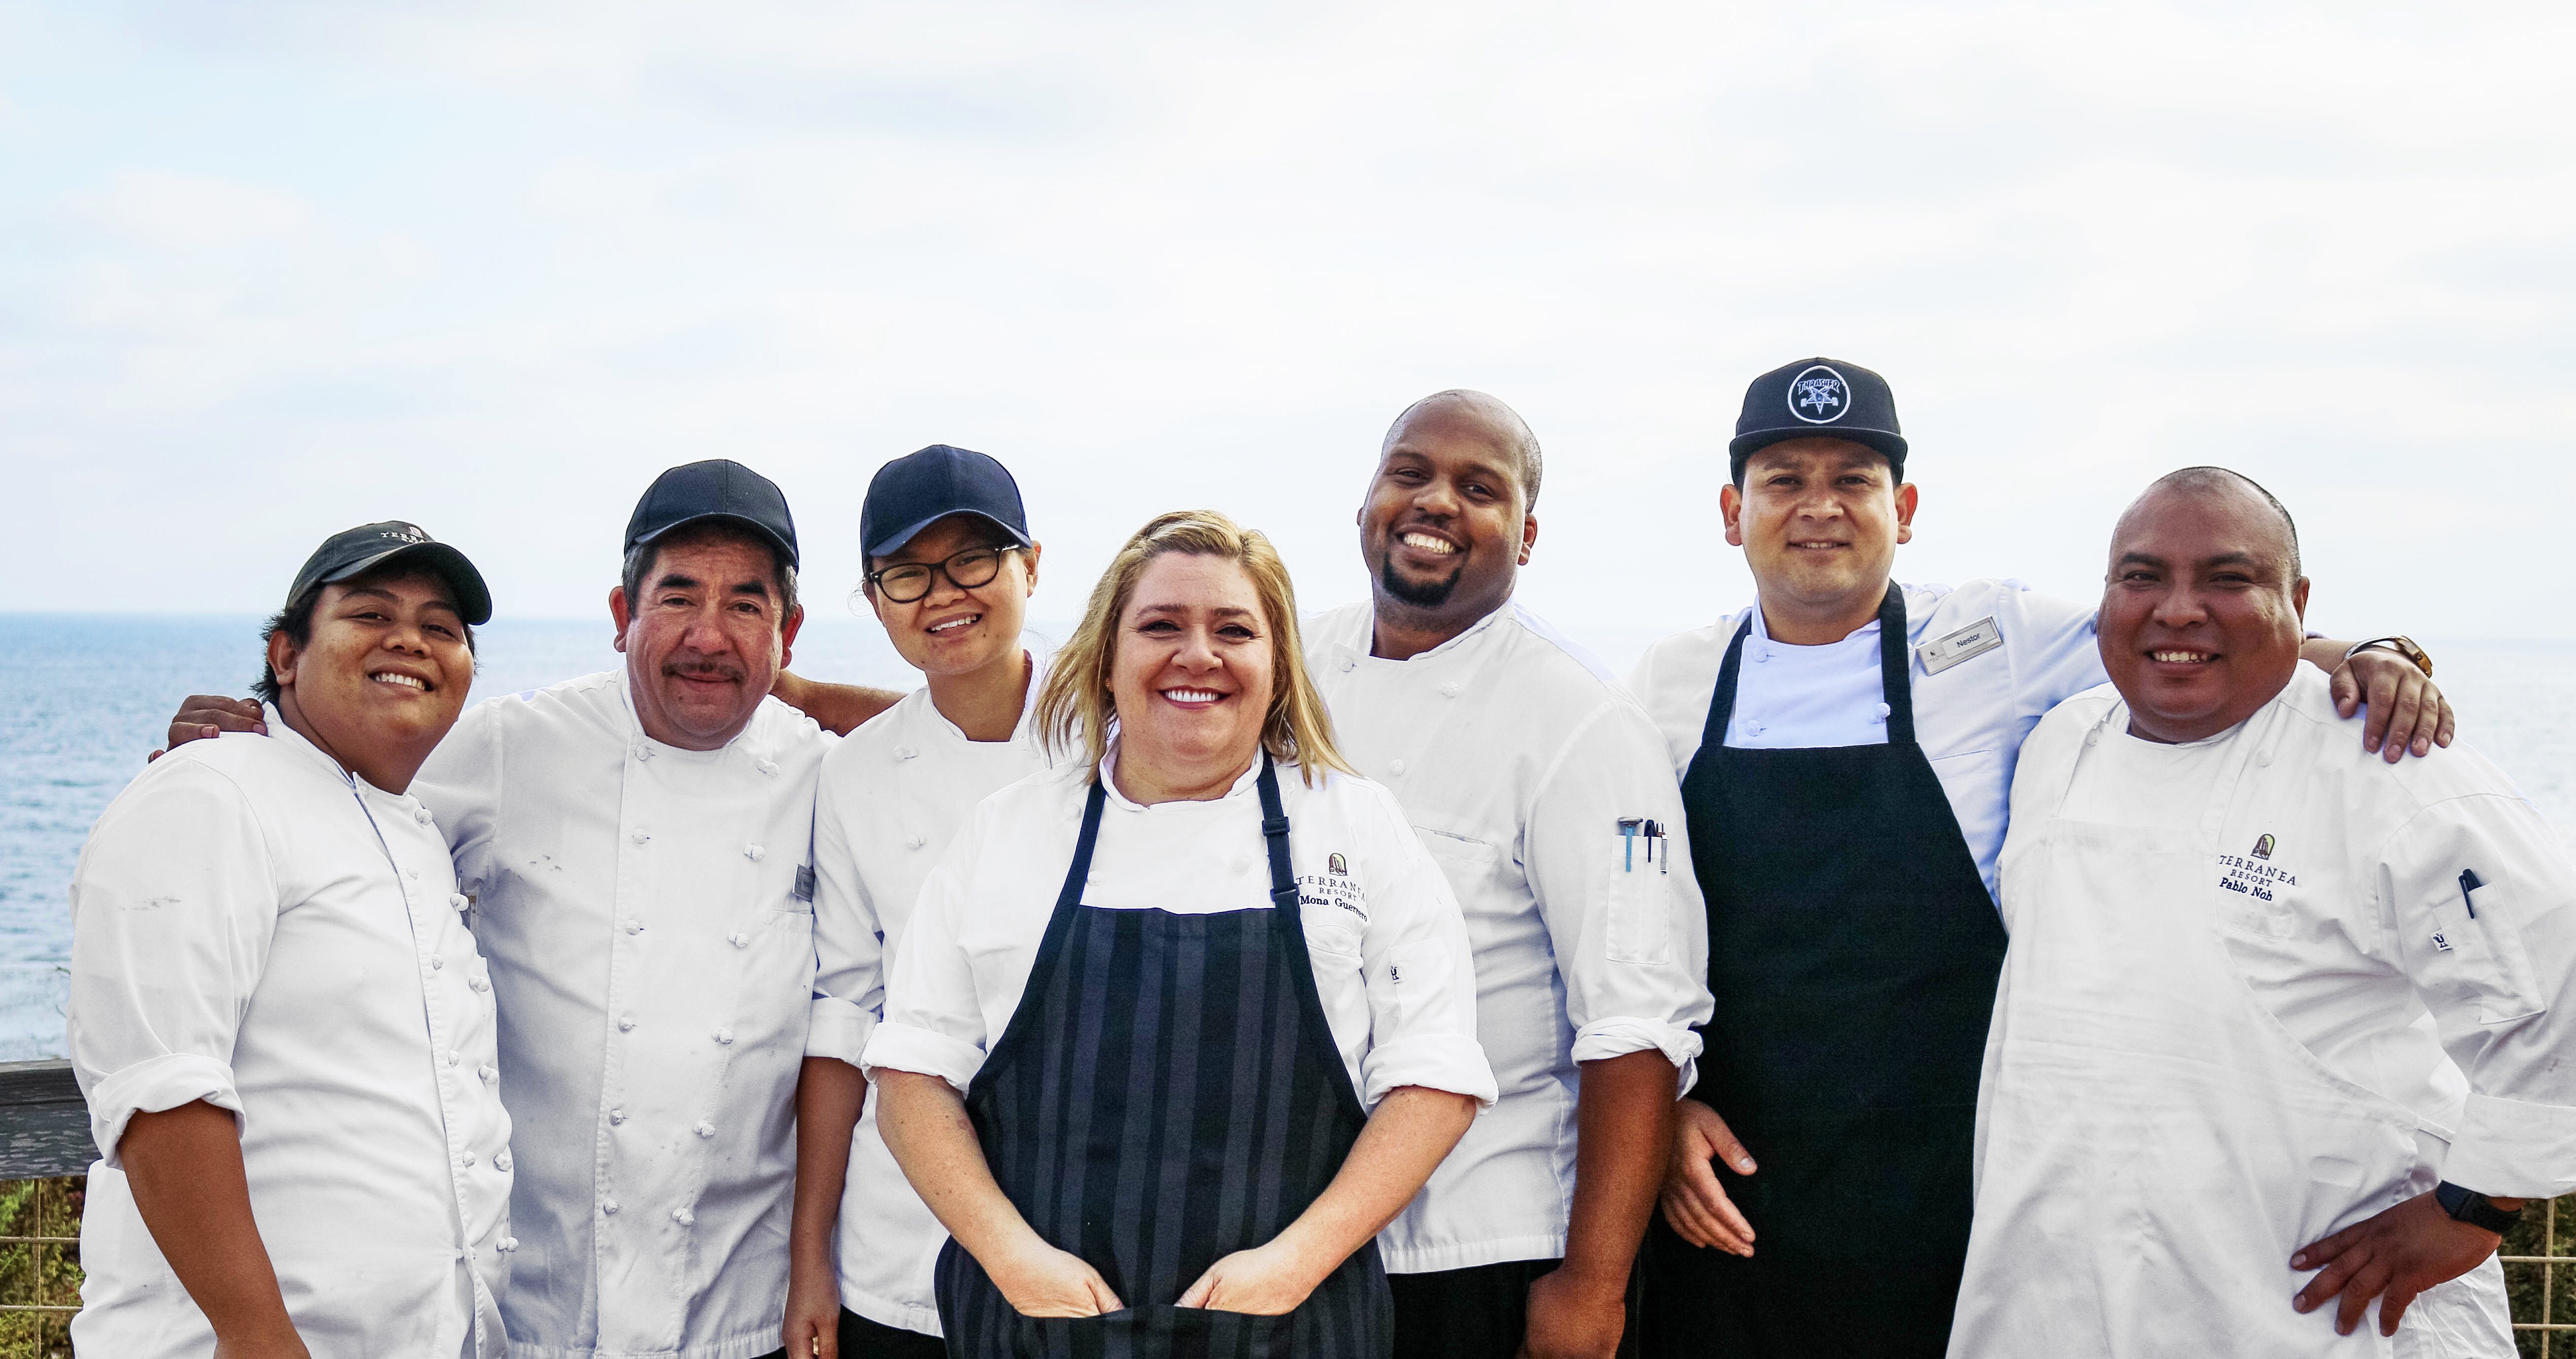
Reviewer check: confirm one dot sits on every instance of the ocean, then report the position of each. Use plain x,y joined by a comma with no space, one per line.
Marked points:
84,698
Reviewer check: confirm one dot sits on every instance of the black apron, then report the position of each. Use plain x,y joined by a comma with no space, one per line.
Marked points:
1167,1093
1853,950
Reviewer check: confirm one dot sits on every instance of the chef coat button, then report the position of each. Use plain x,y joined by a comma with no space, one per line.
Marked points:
1761,654
1349,665
421,815
1450,690
507,1243
684,1217
1753,727
915,841
643,751
752,852
478,984
501,1159
705,1129
739,939
616,1115
625,1023
1395,766
412,873
765,766
639,837
466,1160
634,927
464,1252
453,1058
488,1072
724,1035
1883,711
905,752
609,1207
436,962
2093,737
2263,757
459,900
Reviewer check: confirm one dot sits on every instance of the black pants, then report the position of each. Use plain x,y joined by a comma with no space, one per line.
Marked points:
1476,1313
865,1339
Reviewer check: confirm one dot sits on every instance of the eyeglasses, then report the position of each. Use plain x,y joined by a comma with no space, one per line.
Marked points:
971,569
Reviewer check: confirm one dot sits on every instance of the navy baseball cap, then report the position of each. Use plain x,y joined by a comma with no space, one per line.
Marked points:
354,552
714,489
921,488
1818,398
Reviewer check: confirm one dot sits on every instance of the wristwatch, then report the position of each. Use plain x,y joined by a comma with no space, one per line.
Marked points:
2403,646
2472,1207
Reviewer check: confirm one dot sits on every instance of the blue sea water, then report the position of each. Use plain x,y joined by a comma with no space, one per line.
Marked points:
84,699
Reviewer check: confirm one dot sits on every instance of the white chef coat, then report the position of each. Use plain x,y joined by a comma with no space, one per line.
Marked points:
1389,949
2230,1026
648,913
254,927
1515,757
891,799
1970,718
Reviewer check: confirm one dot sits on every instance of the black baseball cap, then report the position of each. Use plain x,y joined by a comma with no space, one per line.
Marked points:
352,552
921,488
714,489
1818,398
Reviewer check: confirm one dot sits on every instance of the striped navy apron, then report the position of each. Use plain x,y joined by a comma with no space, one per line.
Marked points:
1166,1094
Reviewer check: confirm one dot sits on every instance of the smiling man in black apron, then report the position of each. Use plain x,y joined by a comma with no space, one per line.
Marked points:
1846,748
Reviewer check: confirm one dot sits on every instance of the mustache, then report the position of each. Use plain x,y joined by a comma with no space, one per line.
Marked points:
704,668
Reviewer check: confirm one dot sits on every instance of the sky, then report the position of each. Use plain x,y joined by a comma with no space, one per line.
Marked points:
268,271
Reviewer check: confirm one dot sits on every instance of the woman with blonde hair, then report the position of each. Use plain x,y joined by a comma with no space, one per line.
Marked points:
1165,1097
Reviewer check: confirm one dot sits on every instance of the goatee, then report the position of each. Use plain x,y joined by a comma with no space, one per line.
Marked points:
1428,595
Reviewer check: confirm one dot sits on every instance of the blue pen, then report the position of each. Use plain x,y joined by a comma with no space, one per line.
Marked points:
1628,841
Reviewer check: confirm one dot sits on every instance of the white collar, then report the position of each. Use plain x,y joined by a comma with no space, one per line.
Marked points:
1243,783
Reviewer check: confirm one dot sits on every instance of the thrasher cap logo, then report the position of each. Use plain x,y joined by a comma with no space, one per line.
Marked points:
1818,395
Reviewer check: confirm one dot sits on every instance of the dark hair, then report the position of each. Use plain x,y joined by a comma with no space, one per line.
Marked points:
2204,478
296,621
640,559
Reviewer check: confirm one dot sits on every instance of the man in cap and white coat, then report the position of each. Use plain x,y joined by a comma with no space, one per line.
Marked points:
1845,747
1541,789
276,1018
2268,1009
634,851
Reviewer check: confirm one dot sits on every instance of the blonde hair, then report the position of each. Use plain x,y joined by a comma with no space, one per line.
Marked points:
1076,704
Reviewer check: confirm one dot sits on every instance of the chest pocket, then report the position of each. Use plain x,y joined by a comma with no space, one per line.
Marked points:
1637,911
1477,868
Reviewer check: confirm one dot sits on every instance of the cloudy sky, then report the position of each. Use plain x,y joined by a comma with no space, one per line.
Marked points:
268,271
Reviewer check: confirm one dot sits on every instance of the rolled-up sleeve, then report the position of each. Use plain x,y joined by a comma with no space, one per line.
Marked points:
1623,915
1419,974
934,1021
2483,901
174,904
849,938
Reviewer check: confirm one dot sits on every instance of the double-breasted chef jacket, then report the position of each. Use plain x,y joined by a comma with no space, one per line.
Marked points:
1389,950
259,929
892,797
1515,758
648,913
2261,987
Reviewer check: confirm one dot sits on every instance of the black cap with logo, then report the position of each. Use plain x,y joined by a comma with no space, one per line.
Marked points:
921,488
714,489
1818,398
353,552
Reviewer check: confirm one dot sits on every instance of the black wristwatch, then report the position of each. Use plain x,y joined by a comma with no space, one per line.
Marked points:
2472,1207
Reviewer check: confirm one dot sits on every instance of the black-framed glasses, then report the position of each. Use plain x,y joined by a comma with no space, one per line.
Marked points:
971,569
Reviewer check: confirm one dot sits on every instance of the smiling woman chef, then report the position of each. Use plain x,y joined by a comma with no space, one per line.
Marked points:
1139,1100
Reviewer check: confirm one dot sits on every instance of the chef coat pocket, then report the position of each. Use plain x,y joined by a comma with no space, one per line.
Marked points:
1333,933
1637,907
2498,970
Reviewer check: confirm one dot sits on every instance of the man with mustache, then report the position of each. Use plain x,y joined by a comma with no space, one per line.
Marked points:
1541,789
634,851
2268,1009
1845,748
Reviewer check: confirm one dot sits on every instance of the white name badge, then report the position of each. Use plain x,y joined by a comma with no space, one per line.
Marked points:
1967,643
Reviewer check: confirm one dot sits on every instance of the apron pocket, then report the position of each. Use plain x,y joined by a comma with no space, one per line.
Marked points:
1156,1329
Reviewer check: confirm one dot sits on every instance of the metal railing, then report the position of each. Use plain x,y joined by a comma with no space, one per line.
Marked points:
45,1147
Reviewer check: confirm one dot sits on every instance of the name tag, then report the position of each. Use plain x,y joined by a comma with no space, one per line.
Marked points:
1966,644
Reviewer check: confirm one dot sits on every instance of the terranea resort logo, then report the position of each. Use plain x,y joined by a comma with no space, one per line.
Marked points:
2263,847
1818,395
1341,867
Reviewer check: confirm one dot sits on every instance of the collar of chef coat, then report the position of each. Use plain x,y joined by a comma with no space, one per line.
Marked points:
1762,631
1037,657
643,744
1366,648
1243,783
296,740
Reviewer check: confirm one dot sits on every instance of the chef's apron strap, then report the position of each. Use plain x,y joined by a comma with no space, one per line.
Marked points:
1288,917
1896,665
1274,834
1721,707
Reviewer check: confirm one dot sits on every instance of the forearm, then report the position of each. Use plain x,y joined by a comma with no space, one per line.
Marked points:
829,1096
2325,653
1413,1128
1624,1130
925,1126
838,708
184,1168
